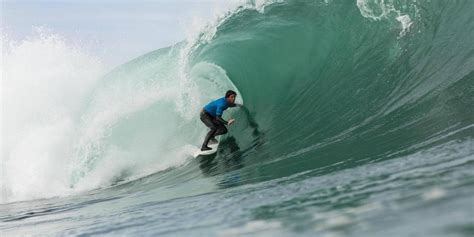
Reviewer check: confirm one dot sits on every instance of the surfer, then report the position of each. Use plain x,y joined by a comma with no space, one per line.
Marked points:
211,116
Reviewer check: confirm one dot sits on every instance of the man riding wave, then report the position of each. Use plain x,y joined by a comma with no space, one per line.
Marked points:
211,116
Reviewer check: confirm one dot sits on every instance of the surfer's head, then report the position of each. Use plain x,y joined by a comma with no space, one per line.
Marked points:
230,96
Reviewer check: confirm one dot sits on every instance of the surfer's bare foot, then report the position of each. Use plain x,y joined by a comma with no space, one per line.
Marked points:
206,148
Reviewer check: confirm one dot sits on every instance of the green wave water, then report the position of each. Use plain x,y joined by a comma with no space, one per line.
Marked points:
358,121
323,84
327,85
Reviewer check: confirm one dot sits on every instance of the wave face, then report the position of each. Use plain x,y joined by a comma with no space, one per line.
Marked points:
142,112
335,82
353,110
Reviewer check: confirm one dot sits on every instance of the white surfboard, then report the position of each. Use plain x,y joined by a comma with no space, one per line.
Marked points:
209,152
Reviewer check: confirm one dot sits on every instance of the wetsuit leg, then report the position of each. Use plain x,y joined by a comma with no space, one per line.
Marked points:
221,129
208,121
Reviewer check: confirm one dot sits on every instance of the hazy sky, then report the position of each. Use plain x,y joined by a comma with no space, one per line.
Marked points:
115,30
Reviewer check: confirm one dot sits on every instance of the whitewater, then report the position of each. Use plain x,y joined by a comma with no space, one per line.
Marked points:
358,120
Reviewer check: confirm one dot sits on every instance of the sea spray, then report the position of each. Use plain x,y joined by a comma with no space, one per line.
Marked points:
46,79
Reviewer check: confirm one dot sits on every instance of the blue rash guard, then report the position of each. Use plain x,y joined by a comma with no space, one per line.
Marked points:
217,107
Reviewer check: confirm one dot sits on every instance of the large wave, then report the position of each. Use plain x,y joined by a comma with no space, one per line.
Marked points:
324,83
335,82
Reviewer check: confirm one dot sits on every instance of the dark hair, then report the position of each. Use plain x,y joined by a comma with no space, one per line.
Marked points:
229,93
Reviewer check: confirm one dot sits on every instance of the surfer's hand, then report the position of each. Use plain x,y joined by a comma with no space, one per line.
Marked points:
231,121
236,105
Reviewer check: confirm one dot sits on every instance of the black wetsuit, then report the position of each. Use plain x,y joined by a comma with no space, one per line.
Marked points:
211,116
217,127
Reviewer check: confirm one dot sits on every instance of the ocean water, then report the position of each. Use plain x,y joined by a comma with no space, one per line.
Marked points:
358,121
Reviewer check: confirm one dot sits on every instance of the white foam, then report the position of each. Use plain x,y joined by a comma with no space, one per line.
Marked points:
434,194
375,9
332,221
339,220
251,227
45,80
383,9
406,22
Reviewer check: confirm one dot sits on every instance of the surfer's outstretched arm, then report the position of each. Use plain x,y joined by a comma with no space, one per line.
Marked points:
220,119
236,105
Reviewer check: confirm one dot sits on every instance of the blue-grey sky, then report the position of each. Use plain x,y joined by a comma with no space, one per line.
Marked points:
115,30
